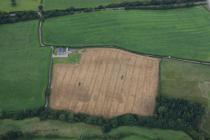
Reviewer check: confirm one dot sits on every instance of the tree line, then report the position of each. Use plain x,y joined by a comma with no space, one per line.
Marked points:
152,2
12,17
176,114
150,5
18,16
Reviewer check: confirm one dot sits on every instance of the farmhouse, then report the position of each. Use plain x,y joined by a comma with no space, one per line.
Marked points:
62,52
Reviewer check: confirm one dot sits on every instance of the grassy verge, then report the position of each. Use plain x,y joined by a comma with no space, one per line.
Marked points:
24,67
48,128
63,4
188,81
182,33
21,5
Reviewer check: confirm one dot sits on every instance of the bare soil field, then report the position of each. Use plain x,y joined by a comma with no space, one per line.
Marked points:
106,82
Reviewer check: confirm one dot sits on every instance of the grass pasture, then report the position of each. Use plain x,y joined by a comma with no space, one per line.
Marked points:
24,67
75,131
22,5
181,33
49,127
63,4
106,82
187,81
141,133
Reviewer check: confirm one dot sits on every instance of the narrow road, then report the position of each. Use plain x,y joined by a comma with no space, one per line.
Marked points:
40,34
48,88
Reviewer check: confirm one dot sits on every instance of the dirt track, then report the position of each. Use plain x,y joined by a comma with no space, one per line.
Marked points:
106,82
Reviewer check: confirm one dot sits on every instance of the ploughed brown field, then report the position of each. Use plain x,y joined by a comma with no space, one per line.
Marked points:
106,82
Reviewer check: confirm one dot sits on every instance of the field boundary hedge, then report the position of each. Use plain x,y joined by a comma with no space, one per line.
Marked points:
18,16
122,6
169,57
169,114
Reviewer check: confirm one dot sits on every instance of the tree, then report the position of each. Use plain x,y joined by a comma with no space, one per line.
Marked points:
91,120
127,119
70,117
12,135
114,122
106,128
13,2
40,8
62,117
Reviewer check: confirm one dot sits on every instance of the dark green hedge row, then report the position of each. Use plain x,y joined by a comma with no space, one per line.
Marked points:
12,135
21,135
68,11
153,3
157,5
19,115
174,114
160,7
180,111
169,113
13,17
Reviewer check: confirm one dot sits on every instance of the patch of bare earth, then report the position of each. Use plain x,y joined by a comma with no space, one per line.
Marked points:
106,82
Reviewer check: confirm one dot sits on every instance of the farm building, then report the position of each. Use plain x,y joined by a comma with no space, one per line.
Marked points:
62,52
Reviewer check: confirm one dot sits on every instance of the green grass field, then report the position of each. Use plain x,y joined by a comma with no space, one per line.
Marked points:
77,130
22,5
185,80
24,67
188,81
49,127
63,4
141,133
181,33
